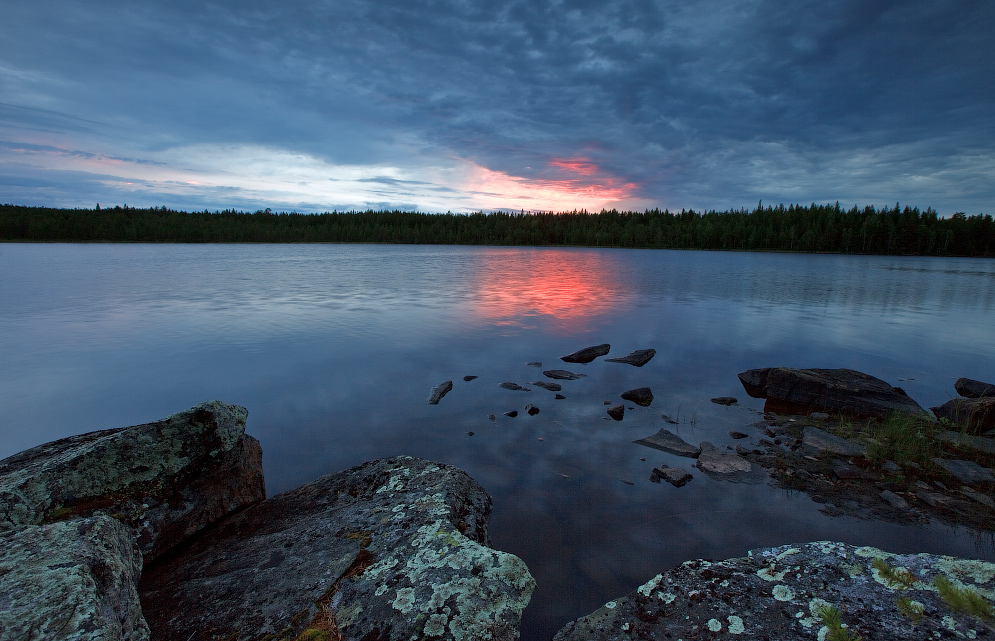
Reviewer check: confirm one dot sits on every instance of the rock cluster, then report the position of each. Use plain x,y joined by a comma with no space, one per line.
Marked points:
974,412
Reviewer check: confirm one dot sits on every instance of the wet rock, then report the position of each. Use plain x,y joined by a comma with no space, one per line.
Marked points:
667,419
638,358
776,593
738,435
895,500
390,550
845,391
515,387
724,400
531,409
439,391
978,443
562,375
492,418
974,389
552,387
534,364
674,475
966,471
845,471
559,397
75,579
728,466
669,442
166,480
822,440
976,415
470,378
984,499
891,467
587,354
627,481
819,416
511,414
616,412
641,396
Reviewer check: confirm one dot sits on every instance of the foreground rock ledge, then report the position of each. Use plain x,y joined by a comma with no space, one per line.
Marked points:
776,593
393,549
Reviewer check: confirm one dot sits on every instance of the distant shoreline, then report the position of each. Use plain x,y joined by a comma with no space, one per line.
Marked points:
824,229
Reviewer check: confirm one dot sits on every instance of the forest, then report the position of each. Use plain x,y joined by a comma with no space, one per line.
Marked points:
795,228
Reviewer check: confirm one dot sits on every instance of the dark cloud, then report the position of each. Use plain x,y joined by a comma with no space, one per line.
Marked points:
715,103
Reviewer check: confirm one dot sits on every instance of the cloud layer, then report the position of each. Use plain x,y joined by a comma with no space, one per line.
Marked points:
519,105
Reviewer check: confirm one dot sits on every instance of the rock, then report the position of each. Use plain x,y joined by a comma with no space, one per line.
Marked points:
587,354
390,550
667,419
616,412
515,387
724,400
439,391
671,443
978,443
166,480
846,472
534,364
984,499
820,416
976,415
75,579
469,378
552,387
559,397
843,391
974,389
627,481
967,472
562,375
934,499
824,441
492,418
641,396
638,358
728,466
511,414
673,475
895,500
738,435
776,593
531,409
891,467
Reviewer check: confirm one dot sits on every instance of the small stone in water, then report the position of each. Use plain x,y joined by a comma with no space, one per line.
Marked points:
534,364
560,397
469,378
627,481
616,412
738,435
531,409
512,413
469,433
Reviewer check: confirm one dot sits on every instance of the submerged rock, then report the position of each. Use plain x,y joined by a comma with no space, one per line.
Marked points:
841,391
587,354
779,593
974,389
439,391
552,387
470,378
616,412
515,387
638,358
975,415
669,442
725,400
75,579
642,396
674,475
391,550
562,374
166,480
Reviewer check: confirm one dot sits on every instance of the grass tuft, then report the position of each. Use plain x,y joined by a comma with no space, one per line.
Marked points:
832,618
964,600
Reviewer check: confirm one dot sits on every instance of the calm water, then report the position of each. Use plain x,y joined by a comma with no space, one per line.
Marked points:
334,349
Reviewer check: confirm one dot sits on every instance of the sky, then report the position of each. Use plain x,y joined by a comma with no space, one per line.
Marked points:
445,105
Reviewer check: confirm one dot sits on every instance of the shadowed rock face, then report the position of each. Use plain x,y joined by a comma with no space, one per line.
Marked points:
393,549
75,579
971,388
777,593
166,480
976,415
839,391
587,354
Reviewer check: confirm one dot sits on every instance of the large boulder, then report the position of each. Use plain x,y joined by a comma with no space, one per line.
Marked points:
166,480
784,592
974,415
390,550
75,579
837,391
971,388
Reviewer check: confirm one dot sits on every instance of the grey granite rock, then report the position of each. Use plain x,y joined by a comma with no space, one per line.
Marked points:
979,443
777,593
966,471
728,466
676,476
638,358
971,388
587,354
669,442
390,550
75,579
167,480
824,441
441,390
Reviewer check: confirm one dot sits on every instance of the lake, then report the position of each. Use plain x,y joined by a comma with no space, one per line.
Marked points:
335,348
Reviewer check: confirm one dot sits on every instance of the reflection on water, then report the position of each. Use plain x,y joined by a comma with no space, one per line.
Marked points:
334,349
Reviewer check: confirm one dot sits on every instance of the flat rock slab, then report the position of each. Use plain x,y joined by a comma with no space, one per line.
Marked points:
674,475
728,466
776,593
840,391
671,443
562,375
167,480
441,390
587,354
967,472
971,388
552,387
390,550
638,358
515,387
642,396
975,415
824,441
75,579
979,443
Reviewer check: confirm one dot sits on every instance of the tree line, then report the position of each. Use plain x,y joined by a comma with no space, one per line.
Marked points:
800,228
